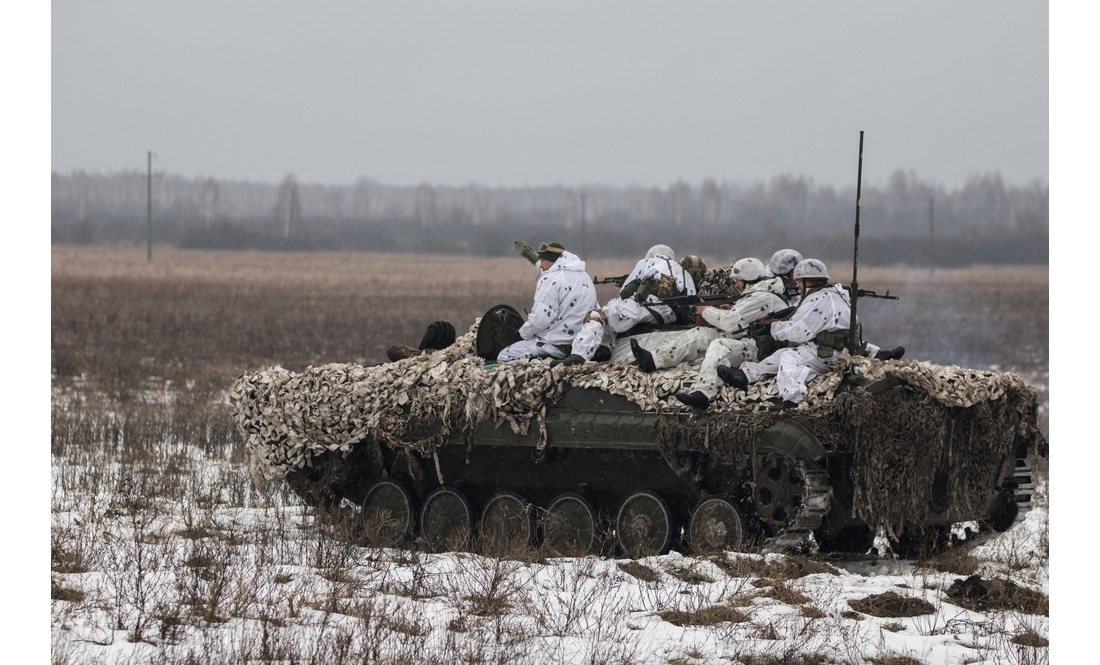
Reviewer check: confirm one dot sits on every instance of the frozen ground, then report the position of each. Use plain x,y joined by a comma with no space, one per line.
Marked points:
168,555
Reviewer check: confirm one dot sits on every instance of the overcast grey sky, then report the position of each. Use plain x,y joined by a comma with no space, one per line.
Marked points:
512,93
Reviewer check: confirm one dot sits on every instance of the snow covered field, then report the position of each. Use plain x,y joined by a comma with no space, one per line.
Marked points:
162,552
167,554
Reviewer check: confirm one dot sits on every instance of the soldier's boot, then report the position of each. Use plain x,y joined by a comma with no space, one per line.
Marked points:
400,352
644,358
568,361
893,354
695,400
733,377
602,354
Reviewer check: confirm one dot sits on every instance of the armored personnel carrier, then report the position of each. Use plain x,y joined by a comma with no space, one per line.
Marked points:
446,449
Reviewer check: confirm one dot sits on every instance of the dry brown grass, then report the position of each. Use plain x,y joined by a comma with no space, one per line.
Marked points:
312,273
785,594
640,571
206,316
892,604
1030,638
895,660
789,568
956,560
707,616
688,575
975,593
202,317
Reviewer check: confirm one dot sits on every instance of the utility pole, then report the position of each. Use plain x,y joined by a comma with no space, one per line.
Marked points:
931,240
584,234
149,209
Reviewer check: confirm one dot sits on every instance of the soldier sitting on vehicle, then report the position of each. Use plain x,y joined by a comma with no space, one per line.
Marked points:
818,330
655,277
782,265
723,341
563,297
694,266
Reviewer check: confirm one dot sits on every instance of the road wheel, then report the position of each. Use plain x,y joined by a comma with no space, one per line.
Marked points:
643,526
446,520
388,514
507,524
569,526
716,526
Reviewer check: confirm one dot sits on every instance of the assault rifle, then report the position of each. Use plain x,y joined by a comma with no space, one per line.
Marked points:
758,327
617,281
709,301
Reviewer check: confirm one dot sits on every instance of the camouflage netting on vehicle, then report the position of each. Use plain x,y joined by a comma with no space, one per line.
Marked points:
418,403
287,418
934,417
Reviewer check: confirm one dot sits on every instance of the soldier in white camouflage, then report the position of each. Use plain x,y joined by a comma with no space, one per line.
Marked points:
694,266
563,297
722,342
782,265
817,332
654,278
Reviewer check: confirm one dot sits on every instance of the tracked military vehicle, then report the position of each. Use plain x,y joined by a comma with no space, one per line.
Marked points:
446,449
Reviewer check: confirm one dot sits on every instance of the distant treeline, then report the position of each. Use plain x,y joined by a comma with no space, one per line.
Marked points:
905,221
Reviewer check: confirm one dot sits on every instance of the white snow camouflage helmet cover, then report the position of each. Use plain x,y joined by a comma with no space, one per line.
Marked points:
749,269
810,269
663,250
784,261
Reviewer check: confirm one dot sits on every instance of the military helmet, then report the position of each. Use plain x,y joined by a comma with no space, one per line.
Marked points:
784,261
694,266
663,250
749,270
439,335
810,269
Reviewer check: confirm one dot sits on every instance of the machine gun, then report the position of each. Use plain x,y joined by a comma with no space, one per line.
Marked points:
863,293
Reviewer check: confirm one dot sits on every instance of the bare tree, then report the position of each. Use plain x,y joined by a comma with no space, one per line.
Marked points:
712,201
360,199
790,195
680,193
288,209
211,193
426,205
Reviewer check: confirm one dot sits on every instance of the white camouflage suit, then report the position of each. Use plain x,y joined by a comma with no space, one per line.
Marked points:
620,315
823,310
563,296
717,345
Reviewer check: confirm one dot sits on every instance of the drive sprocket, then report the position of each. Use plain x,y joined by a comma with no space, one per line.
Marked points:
792,496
